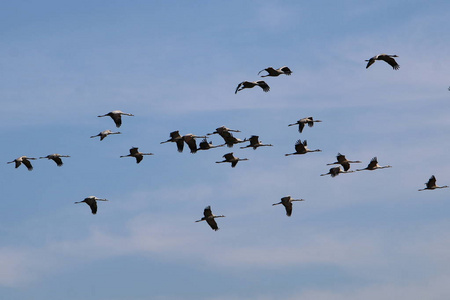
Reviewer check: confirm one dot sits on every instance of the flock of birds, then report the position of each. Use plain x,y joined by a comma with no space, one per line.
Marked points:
229,140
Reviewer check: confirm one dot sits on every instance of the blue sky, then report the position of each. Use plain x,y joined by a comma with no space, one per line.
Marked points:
175,66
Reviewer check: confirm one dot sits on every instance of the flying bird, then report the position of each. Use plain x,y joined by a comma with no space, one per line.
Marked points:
209,218
104,134
251,84
229,157
387,58
56,158
344,162
301,148
373,165
230,140
302,122
221,130
25,160
276,72
175,137
255,143
134,152
287,203
335,172
92,202
204,145
431,184
116,115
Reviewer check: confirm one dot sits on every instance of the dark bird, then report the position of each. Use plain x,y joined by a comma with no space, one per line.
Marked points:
209,218
25,160
230,140
335,172
56,158
301,148
104,134
92,202
221,130
134,152
287,203
204,145
302,122
431,184
175,137
276,72
373,165
387,58
229,157
116,115
251,84
344,162
255,143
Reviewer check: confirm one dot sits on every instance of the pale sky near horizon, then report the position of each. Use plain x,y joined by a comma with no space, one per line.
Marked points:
175,65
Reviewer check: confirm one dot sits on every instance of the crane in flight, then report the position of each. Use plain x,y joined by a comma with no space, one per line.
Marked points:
92,202
116,115
209,218
287,203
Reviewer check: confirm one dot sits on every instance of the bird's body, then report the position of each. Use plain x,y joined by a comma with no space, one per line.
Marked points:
134,152
431,184
104,134
255,143
56,158
229,157
302,122
335,172
92,202
287,203
344,162
276,72
209,218
301,148
373,165
204,145
116,115
23,160
386,57
251,84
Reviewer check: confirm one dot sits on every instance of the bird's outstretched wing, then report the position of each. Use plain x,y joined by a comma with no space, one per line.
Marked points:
239,85
370,62
117,119
58,161
264,86
391,61
286,70
27,164
134,150
299,147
